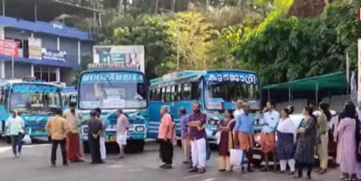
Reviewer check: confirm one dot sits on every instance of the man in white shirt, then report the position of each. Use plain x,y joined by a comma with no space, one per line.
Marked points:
268,134
239,108
16,126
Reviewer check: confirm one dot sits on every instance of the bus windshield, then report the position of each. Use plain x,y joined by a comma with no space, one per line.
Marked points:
112,90
223,87
27,98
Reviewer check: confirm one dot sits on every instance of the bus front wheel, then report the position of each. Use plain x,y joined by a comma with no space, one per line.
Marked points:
134,146
8,139
86,147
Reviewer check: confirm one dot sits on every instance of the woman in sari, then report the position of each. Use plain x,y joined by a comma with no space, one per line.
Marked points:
226,141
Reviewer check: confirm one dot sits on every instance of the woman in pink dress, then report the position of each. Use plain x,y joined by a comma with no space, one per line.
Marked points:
346,144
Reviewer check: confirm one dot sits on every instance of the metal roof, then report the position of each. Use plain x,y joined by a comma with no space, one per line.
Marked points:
336,80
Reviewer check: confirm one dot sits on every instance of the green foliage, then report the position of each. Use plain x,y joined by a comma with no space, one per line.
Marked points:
191,35
285,48
149,31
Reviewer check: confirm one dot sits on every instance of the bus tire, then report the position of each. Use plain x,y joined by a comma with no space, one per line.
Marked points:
134,146
2,134
86,147
140,146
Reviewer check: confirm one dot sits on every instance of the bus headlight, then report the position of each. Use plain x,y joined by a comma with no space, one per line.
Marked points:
85,130
139,128
213,122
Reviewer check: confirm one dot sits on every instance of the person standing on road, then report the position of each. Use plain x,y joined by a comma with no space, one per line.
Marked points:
184,118
95,128
226,141
243,135
346,136
239,109
197,135
306,142
15,124
322,136
57,128
286,133
268,134
103,150
122,130
165,137
73,120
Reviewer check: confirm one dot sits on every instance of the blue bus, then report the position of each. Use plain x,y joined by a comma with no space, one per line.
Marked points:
34,101
215,90
69,94
110,89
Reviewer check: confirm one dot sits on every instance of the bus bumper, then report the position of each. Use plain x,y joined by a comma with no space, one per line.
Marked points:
137,132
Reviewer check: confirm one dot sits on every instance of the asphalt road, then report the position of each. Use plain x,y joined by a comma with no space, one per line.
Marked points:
34,166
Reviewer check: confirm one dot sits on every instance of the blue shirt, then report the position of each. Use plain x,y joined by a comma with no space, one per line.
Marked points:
244,123
270,119
183,124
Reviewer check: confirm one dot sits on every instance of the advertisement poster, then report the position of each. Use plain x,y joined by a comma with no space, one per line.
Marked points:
9,48
35,48
128,56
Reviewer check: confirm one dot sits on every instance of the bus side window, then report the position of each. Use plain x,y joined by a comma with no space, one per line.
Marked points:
187,91
168,94
173,95
163,94
176,93
196,90
158,94
151,93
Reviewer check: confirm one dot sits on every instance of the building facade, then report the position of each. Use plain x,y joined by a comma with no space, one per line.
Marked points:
48,51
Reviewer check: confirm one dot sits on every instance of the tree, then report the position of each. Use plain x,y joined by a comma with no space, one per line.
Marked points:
150,31
191,35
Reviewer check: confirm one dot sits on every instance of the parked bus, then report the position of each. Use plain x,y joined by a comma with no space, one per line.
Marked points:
34,101
215,90
69,94
110,89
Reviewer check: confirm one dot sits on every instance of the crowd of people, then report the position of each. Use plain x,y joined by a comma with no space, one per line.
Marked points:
280,137
289,143
63,129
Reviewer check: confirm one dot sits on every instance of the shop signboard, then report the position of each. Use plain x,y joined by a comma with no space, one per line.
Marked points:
54,55
9,48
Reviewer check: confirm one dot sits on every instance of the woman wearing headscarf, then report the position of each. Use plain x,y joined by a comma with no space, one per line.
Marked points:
346,136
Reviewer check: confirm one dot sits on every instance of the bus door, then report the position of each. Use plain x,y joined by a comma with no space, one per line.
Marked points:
160,99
